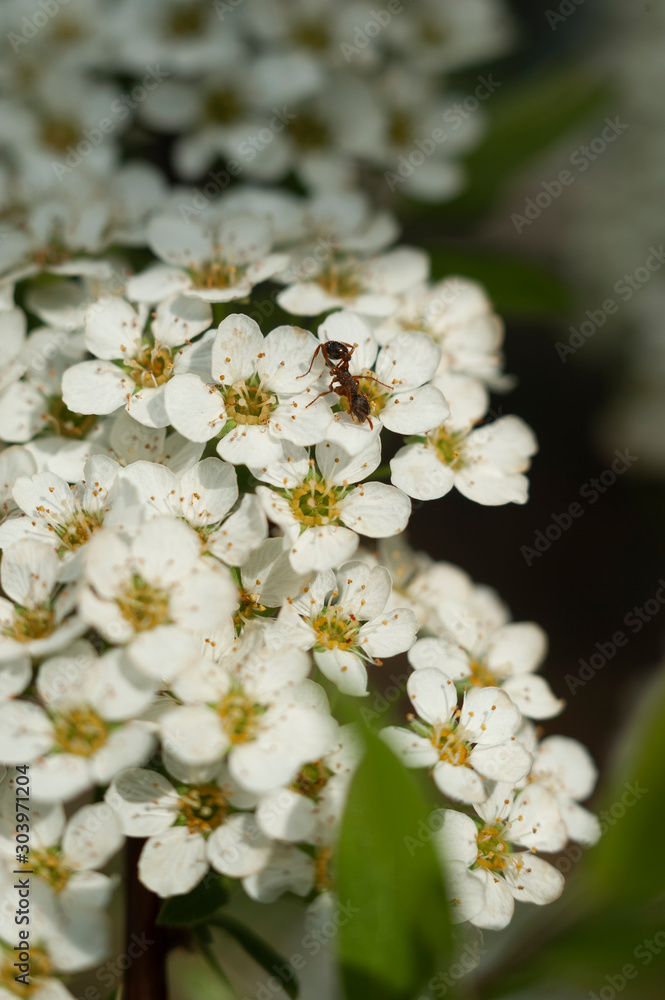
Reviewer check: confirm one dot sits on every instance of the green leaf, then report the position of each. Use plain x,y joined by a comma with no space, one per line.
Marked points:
524,120
626,865
196,906
517,287
390,881
262,952
201,935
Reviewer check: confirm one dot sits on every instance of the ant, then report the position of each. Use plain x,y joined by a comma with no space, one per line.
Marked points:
347,384
338,351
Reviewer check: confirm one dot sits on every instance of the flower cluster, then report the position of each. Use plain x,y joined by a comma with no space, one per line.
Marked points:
474,692
322,90
214,417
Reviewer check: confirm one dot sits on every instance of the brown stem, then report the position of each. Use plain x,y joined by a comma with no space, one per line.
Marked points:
145,942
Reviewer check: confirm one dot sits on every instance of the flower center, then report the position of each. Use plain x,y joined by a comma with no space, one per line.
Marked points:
67,424
217,274
80,731
40,968
432,33
152,366
74,532
186,19
250,606
492,848
223,106
333,631
375,393
240,716
31,623
312,779
203,809
340,278
400,130
448,745
308,131
59,133
315,502
480,676
247,403
311,35
448,447
143,605
66,30
48,865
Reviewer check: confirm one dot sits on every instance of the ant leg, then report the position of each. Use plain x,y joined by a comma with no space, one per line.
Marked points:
321,347
373,378
326,393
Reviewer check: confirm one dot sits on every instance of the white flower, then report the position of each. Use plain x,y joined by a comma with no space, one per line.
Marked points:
69,938
133,368
308,810
14,462
530,819
287,869
564,766
343,617
33,413
485,465
396,383
370,287
202,495
462,747
216,262
130,441
189,827
260,394
453,605
154,593
39,621
320,510
506,659
65,853
61,515
85,732
457,314
260,713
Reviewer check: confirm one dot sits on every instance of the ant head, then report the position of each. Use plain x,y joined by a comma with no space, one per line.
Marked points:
336,350
361,408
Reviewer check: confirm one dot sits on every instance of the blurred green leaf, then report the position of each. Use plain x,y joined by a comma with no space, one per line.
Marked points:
196,906
524,120
262,952
632,812
389,879
518,288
